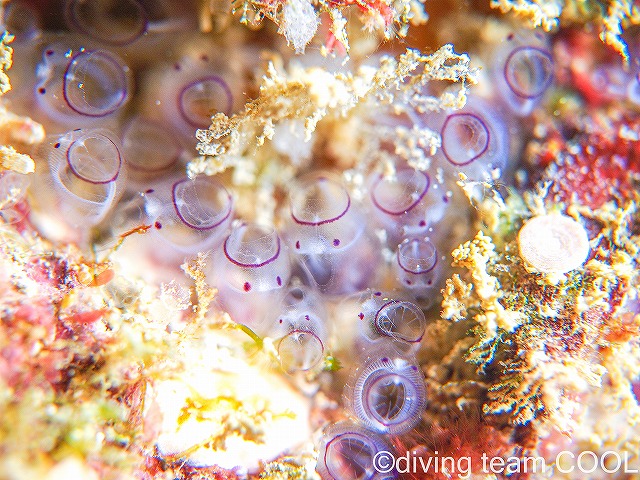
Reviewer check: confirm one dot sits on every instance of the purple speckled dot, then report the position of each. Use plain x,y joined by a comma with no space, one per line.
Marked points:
422,223
280,321
246,286
336,242
378,294
42,90
361,315
279,281
57,145
298,245
48,53
307,317
158,225
149,190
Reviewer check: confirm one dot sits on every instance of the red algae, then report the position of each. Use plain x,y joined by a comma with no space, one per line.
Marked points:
599,163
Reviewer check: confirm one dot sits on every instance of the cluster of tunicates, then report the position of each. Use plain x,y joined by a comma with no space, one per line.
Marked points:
344,268
386,393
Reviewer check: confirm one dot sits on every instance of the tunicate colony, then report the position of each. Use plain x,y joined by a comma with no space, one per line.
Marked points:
117,139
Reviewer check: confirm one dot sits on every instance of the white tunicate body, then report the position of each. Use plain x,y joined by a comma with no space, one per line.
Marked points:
299,329
382,317
80,87
387,393
475,142
523,71
553,243
251,271
417,266
406,202
188,216
327,233
87,175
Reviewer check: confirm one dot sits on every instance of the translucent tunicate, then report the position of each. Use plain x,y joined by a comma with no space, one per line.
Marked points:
95,83
191,215
387,394
115,22
203,97
13,188
529,71
610,81
327,234
150,148
187,93
417,268
384,317
347,452
524,70
400,320
87,173
74,89
465,138
300,329
475,141
122,22
406,203
251,271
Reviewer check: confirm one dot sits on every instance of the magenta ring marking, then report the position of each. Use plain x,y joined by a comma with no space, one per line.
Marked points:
543,87
328,220
123,77
175,206
348,436
397,418
410,207
250,265
85,179
385,333
484,149
302,331
220,81
71,16
408,270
